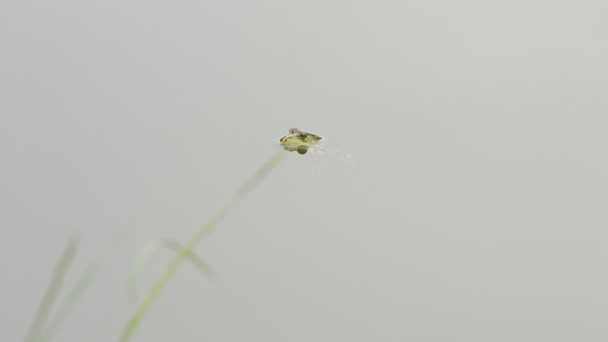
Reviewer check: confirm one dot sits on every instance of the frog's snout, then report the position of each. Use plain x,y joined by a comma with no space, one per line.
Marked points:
298,141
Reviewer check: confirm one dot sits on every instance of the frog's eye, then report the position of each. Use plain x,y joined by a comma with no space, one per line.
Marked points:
302,135
294,131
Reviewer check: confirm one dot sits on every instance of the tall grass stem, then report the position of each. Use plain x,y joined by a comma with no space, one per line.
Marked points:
37,327
186,249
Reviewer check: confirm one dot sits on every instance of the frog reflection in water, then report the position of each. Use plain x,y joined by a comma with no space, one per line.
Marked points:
299,141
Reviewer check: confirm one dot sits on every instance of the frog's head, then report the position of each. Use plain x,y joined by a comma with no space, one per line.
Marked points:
299,141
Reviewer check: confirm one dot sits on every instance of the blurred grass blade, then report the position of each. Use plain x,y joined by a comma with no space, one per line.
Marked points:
203,231
35,331
150,248
74,296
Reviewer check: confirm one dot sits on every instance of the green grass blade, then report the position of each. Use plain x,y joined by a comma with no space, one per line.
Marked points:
164,278
150,248
74,296
35,331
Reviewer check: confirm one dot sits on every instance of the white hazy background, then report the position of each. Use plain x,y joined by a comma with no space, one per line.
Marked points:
476,211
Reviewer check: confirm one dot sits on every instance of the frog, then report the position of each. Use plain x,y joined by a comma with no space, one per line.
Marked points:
299,141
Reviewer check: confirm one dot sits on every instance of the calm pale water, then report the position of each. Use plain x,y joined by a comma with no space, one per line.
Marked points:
475,211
